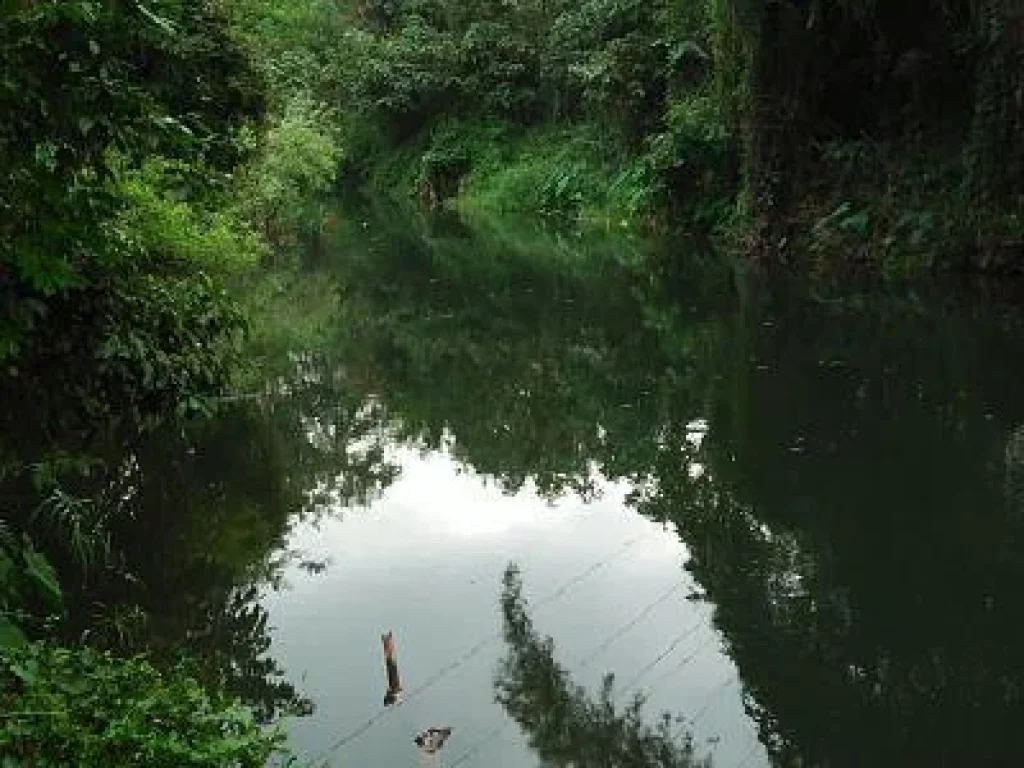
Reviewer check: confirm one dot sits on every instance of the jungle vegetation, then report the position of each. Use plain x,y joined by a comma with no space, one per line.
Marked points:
160,160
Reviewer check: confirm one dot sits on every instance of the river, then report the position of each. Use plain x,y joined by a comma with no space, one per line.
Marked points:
793,519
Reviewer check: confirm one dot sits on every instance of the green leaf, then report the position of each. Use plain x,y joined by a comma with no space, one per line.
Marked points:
10,635
26,670
164,24
45,272
38,568
859,223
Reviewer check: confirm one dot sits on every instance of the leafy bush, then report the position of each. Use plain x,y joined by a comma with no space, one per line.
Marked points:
28,587
294,44
501,74
142,347
167,344
120,154
421,77
84,78
403,80
456,148
920,218
565,172
162,225
614,58
695,159
79,707
281,192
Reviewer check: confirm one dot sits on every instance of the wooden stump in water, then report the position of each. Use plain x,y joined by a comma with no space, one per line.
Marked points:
391,666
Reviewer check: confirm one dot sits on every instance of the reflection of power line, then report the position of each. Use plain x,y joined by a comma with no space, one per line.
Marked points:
352,735
664,654
478,746
615,635
708,700
571,526
618,633
685,661
723,686
478,647
588,572
547,600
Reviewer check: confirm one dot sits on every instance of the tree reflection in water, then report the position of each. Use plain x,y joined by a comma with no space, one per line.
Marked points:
853,507
566,725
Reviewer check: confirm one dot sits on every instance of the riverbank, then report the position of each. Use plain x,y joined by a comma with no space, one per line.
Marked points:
894,210
835,141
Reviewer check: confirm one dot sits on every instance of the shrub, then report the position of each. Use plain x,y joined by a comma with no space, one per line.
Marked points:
695,159
79,707
162,224
280,193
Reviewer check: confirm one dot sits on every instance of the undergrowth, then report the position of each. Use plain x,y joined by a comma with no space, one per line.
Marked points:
899,210
573,173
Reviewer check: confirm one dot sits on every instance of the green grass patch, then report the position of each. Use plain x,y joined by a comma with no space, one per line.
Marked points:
572,173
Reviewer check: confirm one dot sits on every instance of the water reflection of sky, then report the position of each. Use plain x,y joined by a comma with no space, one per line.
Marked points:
426,561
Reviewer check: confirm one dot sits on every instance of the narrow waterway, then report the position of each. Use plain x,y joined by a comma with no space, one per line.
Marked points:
793,522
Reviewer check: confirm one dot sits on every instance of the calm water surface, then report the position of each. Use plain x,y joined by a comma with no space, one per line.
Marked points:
427,561
795,521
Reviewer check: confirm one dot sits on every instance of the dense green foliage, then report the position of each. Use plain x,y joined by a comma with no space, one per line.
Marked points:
83,708
613,84
119,134
123,130
154,153
28,587
844,135
877,128
282,192
90,91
